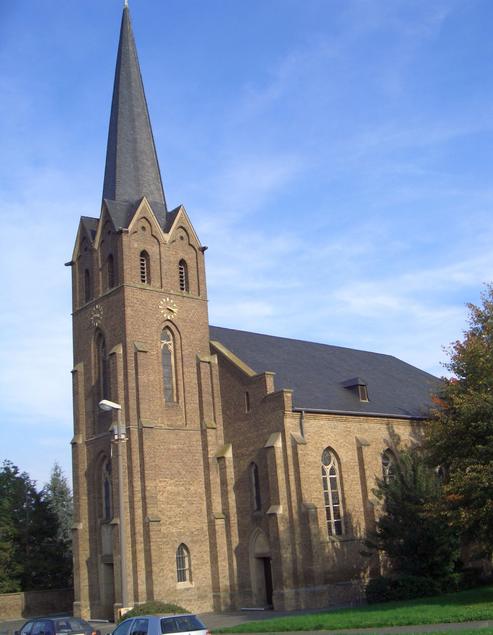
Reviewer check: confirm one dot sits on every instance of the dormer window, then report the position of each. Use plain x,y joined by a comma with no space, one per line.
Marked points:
363,392
358,386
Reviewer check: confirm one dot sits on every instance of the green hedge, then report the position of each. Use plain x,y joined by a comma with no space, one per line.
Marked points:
153,608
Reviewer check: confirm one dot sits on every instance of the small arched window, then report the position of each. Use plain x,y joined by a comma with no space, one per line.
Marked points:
169,365
87,285
102,368
255,488
110,271
183,565
332,493
388,466
145,267
183,276
107,497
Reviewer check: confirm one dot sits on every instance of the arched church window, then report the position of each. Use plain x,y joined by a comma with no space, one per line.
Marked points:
145,267
102,368
255,488
388,466
107,497
183,565
183,276
110,271
87,286
169,365
332,493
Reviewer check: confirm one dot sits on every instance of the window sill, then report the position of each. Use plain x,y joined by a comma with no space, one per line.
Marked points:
184,585
345,538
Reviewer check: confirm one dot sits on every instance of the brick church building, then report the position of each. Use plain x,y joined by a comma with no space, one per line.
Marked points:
241,471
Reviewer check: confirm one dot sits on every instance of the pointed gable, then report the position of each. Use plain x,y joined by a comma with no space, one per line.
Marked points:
132,169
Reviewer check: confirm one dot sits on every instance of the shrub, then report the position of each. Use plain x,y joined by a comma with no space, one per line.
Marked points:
385,589
153,608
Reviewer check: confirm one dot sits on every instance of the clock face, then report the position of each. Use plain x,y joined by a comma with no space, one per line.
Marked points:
168,308
96,315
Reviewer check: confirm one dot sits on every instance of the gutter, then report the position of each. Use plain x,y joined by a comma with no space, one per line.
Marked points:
357,413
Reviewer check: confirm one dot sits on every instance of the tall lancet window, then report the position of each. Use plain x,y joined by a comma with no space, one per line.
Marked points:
107,497
169,365
388,466
183,275
145,267
332,493
102,368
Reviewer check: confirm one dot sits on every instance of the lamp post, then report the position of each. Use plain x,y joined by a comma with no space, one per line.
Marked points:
119,437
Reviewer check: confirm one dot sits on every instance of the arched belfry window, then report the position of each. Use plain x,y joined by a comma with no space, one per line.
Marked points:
183,276
110,271
332,493
102,368
255,488
87,286
145,267
388,466
168,361
106,493
183,565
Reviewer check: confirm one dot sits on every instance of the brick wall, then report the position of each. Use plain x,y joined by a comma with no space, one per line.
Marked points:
33,603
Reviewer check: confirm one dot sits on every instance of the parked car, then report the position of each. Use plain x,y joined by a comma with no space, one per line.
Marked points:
57,626
162,625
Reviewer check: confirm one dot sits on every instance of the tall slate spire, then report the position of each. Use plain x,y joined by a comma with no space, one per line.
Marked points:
132,168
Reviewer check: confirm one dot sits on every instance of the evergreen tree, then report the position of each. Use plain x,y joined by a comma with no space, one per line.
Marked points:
32,556
59,496
460,436
411,531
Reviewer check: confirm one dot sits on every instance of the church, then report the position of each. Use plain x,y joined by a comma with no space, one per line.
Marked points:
213,468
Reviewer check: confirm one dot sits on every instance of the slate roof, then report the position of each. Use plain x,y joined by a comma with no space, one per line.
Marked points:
316,373
132,168
91,225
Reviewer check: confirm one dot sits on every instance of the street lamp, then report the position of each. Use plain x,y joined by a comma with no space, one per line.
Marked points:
119,438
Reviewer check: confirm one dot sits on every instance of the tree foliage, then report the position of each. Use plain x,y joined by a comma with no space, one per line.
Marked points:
460,436
411,531
32,556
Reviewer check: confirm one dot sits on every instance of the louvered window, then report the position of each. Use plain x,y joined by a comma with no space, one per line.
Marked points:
332,493
111,272
183,276
87,286
145,268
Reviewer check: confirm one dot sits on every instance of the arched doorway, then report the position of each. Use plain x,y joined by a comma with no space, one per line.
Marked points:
261,569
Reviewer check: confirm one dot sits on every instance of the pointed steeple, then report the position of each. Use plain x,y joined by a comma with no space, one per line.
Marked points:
132,168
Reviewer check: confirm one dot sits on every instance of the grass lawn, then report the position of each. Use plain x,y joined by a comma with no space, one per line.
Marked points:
475,631
465,606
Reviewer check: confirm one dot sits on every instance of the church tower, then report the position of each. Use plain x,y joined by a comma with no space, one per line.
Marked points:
148,504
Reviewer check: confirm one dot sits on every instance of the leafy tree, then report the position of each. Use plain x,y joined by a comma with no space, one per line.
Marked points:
411,531
460,436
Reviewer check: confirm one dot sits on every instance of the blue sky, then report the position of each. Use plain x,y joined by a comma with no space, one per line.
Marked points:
335,156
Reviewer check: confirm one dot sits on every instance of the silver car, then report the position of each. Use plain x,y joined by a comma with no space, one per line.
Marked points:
185,624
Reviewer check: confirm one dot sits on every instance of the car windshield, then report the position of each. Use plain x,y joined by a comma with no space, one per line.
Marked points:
180,624
71,624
